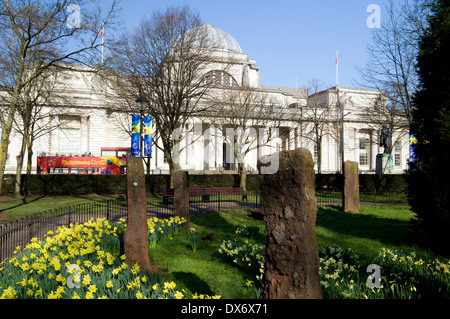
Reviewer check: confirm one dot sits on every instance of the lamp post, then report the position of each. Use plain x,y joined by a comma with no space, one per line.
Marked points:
142,100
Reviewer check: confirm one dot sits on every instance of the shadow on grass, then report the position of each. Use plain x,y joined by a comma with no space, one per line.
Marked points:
385,230
23,203
212,221
193,282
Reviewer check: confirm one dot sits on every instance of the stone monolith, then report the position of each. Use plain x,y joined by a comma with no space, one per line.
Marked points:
135,237
350,196
288,205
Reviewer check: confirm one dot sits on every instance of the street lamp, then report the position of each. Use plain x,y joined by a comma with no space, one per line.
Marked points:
142,100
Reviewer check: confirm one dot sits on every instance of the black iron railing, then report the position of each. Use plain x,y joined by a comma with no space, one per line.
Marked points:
20,232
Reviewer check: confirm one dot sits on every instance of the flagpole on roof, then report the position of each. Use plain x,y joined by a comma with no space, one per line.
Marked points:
337,69
102,33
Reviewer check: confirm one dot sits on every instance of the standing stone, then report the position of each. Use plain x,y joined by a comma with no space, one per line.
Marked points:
289,208
181,197
135,237
350,196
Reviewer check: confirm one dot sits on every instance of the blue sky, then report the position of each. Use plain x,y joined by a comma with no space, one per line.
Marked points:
292,41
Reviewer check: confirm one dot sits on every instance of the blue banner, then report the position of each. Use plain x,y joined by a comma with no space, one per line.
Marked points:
148,130
412,146
135,135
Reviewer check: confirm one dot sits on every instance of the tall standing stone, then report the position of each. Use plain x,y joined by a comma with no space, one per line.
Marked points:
135,237
289,207
350,196
181,197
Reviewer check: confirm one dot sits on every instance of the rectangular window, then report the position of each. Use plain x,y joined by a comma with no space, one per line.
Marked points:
69,135
397,154
364,151
283,145
69,141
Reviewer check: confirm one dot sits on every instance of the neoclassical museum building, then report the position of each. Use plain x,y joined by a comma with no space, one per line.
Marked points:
335,124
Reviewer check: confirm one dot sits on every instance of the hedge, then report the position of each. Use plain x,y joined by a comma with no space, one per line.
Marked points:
116,184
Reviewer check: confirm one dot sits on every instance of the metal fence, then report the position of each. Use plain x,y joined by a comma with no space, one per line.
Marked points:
334,198
20,232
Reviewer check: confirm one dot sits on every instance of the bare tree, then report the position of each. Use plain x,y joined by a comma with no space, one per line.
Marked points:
385,110
39,101
317,118
165,59
248,119
37,35
392,52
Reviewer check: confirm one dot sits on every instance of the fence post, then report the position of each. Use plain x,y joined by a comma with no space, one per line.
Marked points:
1,243
68,223
107,209
218,206
30,225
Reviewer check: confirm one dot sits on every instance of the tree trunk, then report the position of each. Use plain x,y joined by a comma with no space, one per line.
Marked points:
242,176
147,165
18,183
172,170
6,131
3,155
29,167
7,127
20,158
319,156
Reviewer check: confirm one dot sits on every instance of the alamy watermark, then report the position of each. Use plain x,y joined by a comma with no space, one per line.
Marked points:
374,19
74,19
374,279
73,281
240,145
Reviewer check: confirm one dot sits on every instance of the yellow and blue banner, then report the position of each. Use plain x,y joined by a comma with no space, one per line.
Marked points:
135,134
148,130
412,146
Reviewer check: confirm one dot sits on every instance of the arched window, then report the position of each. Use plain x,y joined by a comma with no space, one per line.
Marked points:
220,79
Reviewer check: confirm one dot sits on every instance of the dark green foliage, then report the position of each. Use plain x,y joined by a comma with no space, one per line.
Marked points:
429,178
368,183
116,184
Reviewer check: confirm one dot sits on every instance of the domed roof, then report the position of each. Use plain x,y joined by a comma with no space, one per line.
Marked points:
219,39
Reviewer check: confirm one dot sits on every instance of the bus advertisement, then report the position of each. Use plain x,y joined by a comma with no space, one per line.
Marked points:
112,162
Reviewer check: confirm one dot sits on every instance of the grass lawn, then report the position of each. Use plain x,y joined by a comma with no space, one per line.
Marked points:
14,208
209,272
368,231
206,270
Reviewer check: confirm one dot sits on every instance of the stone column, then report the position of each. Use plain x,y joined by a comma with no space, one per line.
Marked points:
135,237
350,195
289,207
181,196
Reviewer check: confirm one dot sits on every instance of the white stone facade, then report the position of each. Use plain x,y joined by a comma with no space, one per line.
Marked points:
89,123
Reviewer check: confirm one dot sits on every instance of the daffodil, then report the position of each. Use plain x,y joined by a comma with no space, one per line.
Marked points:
178,295
86,280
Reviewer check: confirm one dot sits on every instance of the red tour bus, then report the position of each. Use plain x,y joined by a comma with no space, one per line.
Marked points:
113,161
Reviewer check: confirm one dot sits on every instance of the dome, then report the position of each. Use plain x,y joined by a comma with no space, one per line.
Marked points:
219,39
